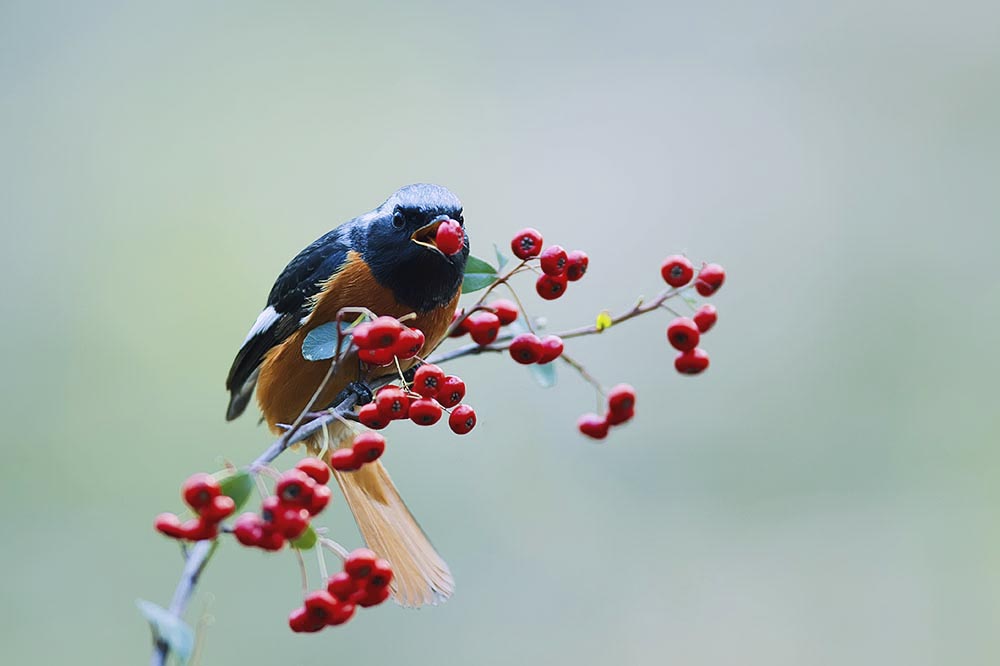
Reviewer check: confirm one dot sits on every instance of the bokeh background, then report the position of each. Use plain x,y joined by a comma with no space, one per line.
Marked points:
825,494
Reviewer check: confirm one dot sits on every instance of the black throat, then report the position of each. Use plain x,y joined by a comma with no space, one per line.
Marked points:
421,279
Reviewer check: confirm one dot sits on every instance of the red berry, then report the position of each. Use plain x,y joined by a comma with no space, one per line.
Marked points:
691,362
506,311
705,317
427,380
683,334
617,418
677,270
621,398
553,260
450,237
526,244
320,606
361,335
576,265
199,490
425,411
360,563
291,522
315,469
220,508
321,497
593,426
342,586
392,403
526,348
381,574
463,326
247,529
385,331
300,622
452,391
344,460
169,524
370,416
551,287
462,420
374,596
295,488
552,348
379,357
342,612
710,279
484,327
368,447
199,530
409,343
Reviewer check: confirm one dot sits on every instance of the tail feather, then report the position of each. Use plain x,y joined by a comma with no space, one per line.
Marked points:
420,576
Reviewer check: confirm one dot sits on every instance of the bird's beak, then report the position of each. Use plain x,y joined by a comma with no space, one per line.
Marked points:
426,234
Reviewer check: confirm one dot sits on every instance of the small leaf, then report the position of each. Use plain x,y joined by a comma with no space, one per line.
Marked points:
306,540
321,342
604,320
168,628
239,486
545,374
478,275
502,258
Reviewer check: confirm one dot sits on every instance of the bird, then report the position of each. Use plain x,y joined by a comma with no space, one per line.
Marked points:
386,261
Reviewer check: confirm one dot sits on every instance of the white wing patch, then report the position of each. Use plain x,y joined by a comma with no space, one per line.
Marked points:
264,321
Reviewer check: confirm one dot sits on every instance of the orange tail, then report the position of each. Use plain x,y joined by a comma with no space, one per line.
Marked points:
420,576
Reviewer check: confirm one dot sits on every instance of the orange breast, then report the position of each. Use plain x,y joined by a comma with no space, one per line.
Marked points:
287,381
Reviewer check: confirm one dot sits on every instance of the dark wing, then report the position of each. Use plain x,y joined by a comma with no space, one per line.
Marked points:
287,306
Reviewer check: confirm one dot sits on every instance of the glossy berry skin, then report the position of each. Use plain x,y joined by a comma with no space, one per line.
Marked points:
247,529
505,310
462,327
361,336
427,380
360,563
370,416
392,403
301,623
484,327
199,490
619,417
593,426
169,525
526,349
321,497
381,574
683,334
320,606
381,356
553,260
315,469
409,343
691,362
621,398
710,279
552,348
677,270
368,447
295,488
462,420
342,612
450,238
551,287
342,586
705,317
199,530
577,263
425,411
344,460
374,596
384,332
452,391
526,243
221,507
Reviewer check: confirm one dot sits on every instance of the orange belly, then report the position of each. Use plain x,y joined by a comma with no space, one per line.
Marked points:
287,381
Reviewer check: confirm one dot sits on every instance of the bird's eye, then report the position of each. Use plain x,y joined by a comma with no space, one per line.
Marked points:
398,220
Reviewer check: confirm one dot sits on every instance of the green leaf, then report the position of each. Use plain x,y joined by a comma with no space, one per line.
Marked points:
306,541
168,628
478,275
239,486
545,374
502,258
321,342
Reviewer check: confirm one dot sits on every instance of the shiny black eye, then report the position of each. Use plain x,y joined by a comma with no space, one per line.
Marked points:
398,220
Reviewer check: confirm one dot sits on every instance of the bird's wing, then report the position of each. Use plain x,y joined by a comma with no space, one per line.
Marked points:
288,305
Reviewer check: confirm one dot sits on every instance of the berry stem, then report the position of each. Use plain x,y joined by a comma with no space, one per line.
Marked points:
334,547
302,570
579,367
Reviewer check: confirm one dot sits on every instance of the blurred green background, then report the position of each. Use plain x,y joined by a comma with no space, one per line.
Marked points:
825,494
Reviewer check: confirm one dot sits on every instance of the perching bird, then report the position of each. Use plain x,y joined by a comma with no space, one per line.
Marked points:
386,261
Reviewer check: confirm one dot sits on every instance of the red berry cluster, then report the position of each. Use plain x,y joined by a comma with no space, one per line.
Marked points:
300,494
558,266
450,238
431,393
384,338
483,325
363,582
684,333
621,408
204,495
527,348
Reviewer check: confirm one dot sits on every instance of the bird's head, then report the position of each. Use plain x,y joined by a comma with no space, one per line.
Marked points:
400,246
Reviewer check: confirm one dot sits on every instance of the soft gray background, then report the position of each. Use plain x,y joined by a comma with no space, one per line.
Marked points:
826,494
